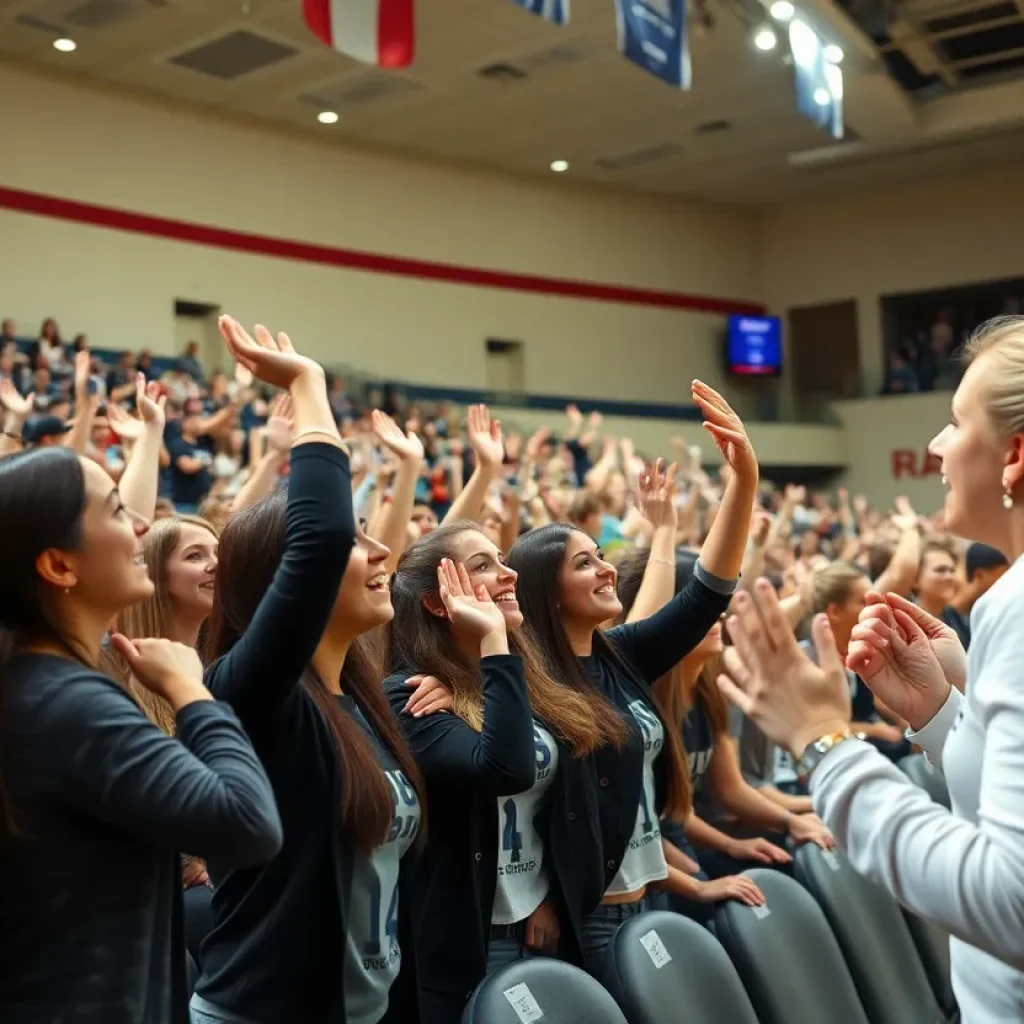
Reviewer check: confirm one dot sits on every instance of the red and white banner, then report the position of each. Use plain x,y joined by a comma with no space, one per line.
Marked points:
378,32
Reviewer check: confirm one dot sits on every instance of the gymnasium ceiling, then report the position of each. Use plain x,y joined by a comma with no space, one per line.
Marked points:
932,87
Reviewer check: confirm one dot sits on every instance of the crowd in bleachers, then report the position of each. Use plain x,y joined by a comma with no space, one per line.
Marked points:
486,679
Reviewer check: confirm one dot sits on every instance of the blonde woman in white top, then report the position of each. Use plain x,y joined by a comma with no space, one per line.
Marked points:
963,870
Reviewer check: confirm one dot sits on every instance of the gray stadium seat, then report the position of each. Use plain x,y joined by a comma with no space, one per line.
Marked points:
930,779
873,935
543,990
663,966
933,948
789,960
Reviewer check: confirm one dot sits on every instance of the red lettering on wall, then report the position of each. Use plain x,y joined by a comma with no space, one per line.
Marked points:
904,463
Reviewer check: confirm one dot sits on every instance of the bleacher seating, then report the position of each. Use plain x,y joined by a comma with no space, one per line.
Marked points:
787,956
544,990
873,935
663,966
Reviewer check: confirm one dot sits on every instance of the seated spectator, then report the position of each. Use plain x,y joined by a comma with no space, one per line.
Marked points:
144,364
937,587
8,332
190,465
900,378
45,388
121,379
51,349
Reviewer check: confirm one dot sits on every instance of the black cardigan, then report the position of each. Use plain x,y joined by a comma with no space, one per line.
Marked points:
451,885
275,953
90,888
643,652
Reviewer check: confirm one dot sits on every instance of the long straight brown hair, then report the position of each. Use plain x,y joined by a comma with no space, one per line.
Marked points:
420,641
538,556
251,548
152,617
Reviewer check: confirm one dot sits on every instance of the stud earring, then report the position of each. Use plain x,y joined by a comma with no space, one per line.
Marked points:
1007,498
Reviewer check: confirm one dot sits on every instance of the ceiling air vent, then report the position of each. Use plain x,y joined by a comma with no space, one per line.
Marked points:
236,54
97,14
30,21
360,90
501,73
639,157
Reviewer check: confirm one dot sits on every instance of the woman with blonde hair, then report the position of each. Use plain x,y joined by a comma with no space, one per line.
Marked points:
962,869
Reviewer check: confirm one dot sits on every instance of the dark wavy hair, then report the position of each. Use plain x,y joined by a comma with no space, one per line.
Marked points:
251,548
419,641
42,501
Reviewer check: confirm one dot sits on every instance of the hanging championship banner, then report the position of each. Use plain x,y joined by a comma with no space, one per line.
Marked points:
378,32
652,33
819,82
555,11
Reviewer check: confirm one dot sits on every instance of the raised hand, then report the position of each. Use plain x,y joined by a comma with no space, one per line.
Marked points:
536,443
168,669
17,405
759,528
403,446
726,430
656,493
485,437
790,698
280,428
83,363
243,377
906,517
468,608
127,427
575,416
897,660
271,359
150,400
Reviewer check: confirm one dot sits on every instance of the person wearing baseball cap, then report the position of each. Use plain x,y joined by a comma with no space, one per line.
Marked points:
44,431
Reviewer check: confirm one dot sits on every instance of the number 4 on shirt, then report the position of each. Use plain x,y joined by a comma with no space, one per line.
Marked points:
511,840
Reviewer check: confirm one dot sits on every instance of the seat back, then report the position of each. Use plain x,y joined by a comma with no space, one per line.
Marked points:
785,952
663,966
874,938
541,989
932,944
922,773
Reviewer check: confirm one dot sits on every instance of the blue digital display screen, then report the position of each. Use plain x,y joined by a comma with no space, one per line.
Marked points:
754,346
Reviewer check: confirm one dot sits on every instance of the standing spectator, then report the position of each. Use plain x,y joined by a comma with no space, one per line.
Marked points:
121,379
8,331
189,362
144,365
51,349
190,466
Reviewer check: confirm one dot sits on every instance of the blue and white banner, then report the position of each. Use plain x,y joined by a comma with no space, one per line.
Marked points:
819,82
652,34
555,11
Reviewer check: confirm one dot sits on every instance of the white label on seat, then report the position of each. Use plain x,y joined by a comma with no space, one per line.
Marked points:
521,999
831,860
656,949
761,912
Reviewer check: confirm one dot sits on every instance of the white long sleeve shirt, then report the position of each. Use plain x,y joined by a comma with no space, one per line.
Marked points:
963,869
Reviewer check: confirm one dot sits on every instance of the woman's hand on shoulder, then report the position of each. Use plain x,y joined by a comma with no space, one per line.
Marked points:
429,696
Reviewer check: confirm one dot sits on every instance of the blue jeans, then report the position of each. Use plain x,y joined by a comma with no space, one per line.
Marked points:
598,928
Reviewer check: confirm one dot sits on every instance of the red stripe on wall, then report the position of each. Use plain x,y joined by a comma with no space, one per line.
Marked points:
355,259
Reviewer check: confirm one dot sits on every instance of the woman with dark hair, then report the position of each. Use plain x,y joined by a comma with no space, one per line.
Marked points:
513,861
95,801
567,592
692,702
313,936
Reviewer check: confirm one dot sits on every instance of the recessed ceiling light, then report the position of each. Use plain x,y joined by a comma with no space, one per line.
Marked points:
65,45
833,53
782,10
327,117
559,166
765,39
